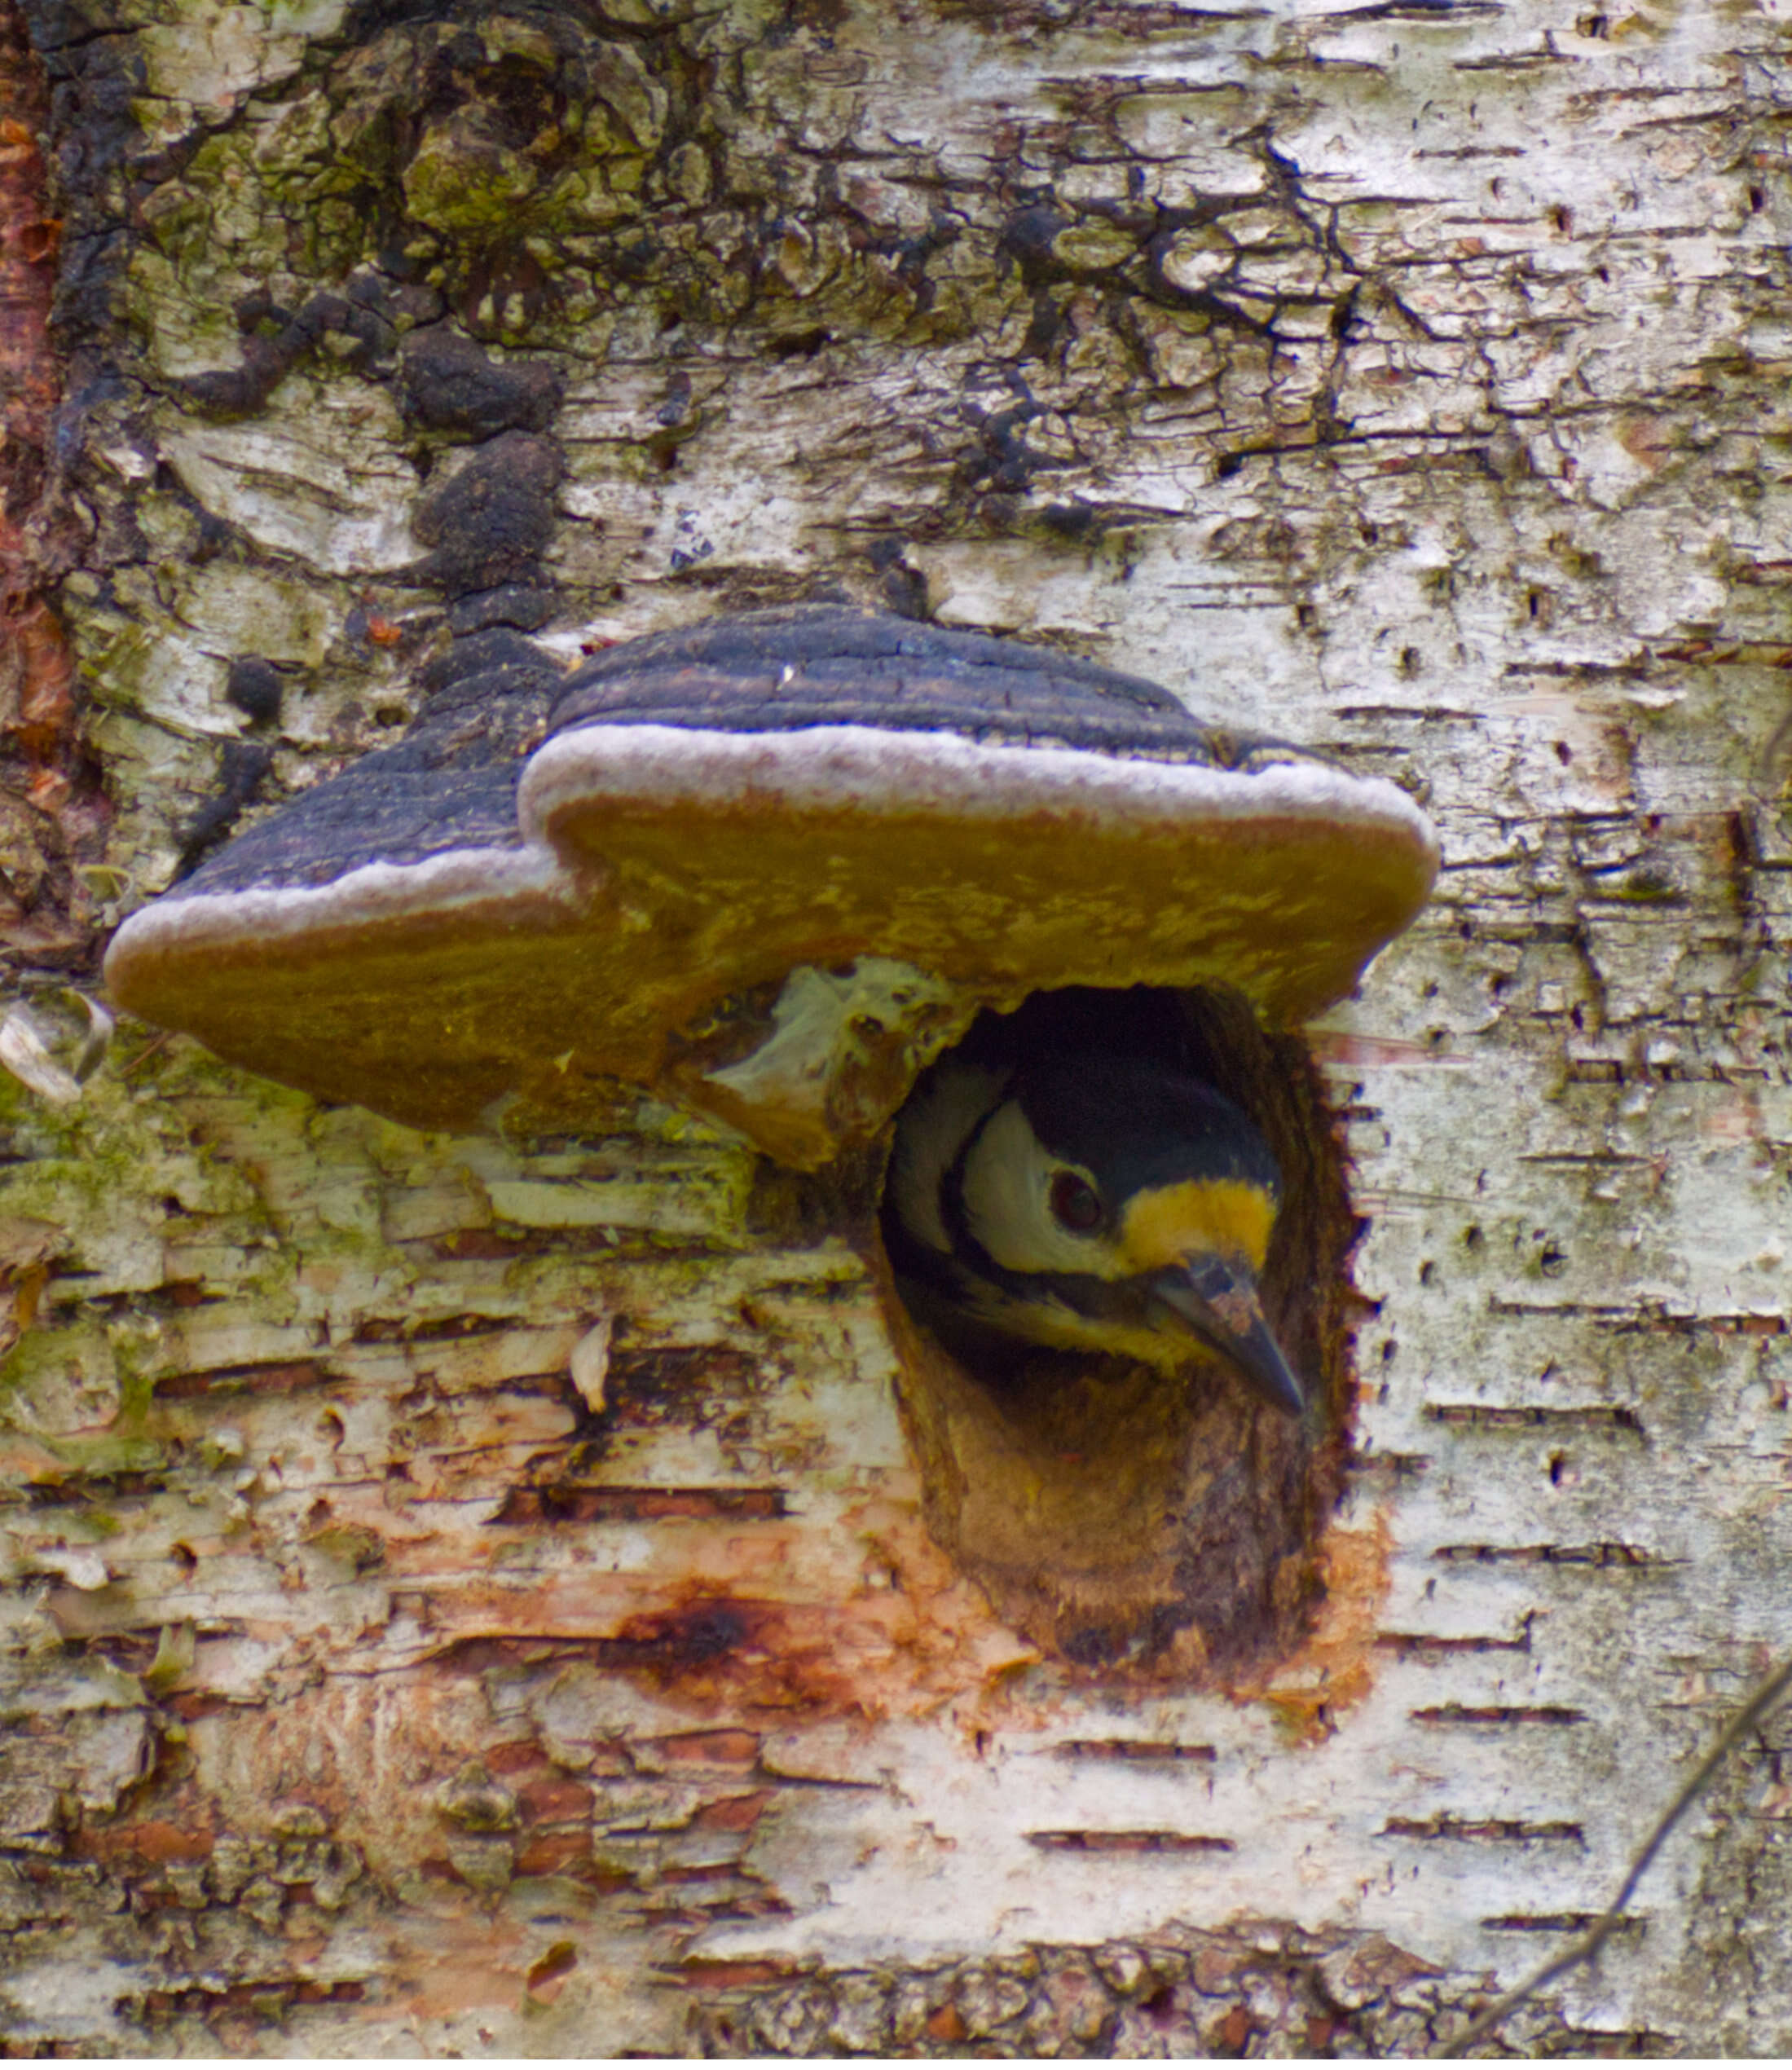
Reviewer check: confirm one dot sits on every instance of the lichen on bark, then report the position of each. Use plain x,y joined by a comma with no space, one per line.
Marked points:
1403,380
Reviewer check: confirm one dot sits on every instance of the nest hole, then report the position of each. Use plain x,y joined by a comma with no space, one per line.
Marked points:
1117,1516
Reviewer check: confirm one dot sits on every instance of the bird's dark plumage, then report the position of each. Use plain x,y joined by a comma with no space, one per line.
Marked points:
1139,1125
1092,1201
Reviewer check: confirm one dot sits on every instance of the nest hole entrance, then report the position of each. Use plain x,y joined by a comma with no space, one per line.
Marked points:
1118,1516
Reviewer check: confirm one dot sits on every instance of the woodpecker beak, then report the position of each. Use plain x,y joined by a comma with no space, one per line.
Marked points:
1218,1302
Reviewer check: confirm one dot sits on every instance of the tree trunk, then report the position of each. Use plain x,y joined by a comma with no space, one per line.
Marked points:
466,1593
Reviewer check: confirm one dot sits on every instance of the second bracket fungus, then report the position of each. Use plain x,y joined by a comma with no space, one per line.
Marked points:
765,867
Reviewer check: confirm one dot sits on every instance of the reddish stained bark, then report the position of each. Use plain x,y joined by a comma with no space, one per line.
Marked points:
555,1854
552,1799
732,1814
1235,2029
723,1748
721,1975
28,242
40,769
149,1842
947,2024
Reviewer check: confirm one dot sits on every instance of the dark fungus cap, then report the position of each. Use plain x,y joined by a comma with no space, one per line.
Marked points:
764,867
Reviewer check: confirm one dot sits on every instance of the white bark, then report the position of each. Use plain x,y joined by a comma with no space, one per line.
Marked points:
330,1730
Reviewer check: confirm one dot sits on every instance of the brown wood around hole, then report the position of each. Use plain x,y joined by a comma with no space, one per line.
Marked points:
1115,1516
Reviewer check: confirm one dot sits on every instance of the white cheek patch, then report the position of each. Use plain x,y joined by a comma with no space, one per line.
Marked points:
1007,1181
932,1131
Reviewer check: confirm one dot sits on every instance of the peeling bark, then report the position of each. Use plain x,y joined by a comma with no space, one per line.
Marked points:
51,815
469,1592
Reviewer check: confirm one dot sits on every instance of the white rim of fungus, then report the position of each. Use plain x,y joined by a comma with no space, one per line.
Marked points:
454,881
879,772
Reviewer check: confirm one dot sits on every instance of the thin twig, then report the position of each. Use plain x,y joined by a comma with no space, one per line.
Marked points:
142,1056
1765,1699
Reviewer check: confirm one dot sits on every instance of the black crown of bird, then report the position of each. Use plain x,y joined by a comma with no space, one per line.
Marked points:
1094,1202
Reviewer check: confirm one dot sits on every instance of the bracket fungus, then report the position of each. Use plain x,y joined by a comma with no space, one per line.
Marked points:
768,868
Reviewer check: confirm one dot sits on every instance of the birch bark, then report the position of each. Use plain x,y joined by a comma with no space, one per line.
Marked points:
468,1594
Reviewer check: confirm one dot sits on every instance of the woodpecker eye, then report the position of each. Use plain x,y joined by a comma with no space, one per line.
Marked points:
1075,1202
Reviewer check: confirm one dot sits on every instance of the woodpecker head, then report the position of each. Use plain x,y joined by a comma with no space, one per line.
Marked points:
1095,1203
